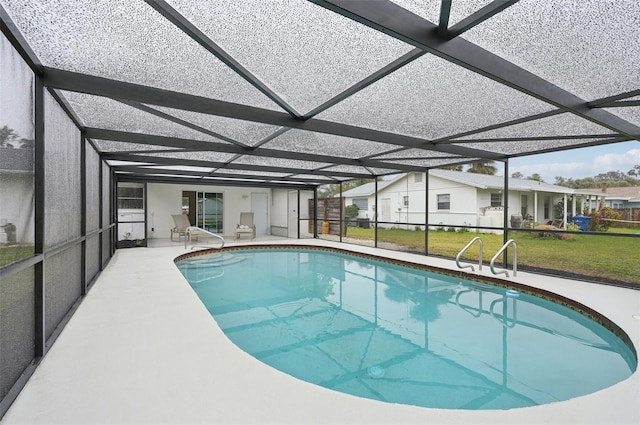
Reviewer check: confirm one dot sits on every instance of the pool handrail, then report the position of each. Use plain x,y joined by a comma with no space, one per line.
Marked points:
477,238
192,230
515,259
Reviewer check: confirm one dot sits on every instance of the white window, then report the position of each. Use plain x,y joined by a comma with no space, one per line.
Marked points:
547,207
496,199
417,177
361,203
130,196
444,201
405,201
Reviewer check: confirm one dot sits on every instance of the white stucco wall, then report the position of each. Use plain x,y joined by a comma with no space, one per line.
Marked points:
16,193
163,200
279,207
464,204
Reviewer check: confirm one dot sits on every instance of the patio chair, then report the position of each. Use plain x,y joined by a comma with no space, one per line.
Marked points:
246,225
181,222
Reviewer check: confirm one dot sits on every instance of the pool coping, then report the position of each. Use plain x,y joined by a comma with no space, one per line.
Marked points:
142,348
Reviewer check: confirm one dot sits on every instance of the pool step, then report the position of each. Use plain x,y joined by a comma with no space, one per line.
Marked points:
214,260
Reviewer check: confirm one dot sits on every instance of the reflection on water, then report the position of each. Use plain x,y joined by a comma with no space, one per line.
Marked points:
401,335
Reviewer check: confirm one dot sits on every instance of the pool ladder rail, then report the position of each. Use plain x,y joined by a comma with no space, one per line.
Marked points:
495,257
479,240
515,259
193,231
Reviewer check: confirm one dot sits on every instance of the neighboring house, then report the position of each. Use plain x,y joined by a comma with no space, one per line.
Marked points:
16,210
619,198
463,199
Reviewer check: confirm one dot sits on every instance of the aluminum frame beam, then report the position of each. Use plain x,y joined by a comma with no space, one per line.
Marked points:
199,37
232,166
198,145
393,20
98,86
478,17
445,14
210,182
137,169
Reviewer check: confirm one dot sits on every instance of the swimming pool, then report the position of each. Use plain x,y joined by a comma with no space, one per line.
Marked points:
400,334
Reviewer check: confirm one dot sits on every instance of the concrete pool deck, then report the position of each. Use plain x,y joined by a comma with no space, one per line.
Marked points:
142,349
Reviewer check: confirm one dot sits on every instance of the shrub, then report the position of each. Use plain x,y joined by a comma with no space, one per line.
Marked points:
600,219
573,227
451,229
351,211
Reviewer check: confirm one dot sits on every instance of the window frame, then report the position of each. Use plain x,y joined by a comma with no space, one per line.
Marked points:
493,202
443,205
362,203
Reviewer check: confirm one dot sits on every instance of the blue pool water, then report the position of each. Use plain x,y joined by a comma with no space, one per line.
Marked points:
403,335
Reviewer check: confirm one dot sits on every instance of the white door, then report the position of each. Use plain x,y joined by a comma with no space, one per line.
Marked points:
259,204
385,209
292,214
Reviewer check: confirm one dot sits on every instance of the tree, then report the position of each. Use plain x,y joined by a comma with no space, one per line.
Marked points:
483,167
7,136
330,190
635,171
535,176
560,181
453,168
517,175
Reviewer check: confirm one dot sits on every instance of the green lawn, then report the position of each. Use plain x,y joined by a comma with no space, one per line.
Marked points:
11,254
610,257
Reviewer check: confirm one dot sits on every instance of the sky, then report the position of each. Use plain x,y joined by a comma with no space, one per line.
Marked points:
578,163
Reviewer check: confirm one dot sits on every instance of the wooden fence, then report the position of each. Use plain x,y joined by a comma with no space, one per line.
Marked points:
629,217
329,211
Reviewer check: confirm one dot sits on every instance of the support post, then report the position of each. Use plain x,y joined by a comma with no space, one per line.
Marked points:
426,212
39,218
375,214
505,233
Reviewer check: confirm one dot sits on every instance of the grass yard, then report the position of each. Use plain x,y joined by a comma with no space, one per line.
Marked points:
609,257
12,253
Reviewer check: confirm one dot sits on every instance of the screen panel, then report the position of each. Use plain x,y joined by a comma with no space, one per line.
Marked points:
93,188
16,156
17,326
62,285
62,175
103,38
420,98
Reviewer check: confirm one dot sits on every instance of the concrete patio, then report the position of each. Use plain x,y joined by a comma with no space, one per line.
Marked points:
142,349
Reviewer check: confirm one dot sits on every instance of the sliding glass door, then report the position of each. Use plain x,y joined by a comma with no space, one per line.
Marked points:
210,212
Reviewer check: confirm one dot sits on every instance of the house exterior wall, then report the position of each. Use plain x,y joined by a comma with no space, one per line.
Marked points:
464,203
20,211
163,200
394,210
469,205
279,206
